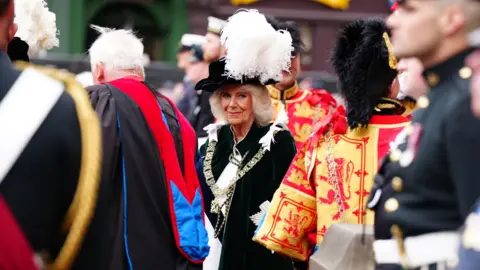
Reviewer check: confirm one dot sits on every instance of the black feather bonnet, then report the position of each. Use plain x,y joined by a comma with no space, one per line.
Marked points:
365,66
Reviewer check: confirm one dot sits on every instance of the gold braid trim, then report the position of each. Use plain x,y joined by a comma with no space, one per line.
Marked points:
392,61
82,209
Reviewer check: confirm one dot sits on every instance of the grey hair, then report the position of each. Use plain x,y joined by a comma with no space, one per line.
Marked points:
261,104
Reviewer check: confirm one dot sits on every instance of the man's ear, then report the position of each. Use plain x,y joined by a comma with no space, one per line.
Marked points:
295,66
100,74
453,20
223,51
12,31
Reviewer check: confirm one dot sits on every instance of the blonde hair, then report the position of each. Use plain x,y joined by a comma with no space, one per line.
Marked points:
261,104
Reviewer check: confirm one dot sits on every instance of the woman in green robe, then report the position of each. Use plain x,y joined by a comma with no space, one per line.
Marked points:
246,156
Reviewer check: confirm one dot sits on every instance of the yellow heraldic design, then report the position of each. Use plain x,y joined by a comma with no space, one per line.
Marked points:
337,4
82,209
301,131
305,110
305,205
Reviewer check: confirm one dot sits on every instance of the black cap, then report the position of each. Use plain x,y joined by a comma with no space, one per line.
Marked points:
18,50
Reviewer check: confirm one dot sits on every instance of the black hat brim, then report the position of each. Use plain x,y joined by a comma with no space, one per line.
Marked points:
217,78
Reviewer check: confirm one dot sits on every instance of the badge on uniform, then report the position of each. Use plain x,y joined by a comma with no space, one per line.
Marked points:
412,145
471,234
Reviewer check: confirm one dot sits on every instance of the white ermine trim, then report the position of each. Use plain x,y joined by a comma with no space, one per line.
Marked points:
257,218
212,131
279,124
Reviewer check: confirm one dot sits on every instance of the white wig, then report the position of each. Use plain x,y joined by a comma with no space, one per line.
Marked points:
261,104
117,50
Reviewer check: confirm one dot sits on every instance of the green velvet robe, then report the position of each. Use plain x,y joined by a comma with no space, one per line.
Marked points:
256,187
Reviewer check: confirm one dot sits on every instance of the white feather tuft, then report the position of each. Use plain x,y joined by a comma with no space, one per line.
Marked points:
279,124
101,29
36,25
254,48
212,130
257,218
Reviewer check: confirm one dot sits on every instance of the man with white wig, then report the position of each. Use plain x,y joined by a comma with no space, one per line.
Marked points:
212,50
150,211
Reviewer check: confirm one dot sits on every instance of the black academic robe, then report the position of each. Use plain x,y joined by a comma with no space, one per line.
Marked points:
256,187
151,243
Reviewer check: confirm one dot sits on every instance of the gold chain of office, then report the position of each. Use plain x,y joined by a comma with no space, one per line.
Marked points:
217,205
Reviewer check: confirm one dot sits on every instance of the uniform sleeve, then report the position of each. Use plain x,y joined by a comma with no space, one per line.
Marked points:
104,105
292,213
463,151
283,152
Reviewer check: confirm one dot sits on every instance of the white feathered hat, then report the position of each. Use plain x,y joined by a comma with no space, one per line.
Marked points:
36,25
256,52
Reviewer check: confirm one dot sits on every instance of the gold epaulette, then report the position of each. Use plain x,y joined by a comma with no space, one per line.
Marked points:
410,106
82,209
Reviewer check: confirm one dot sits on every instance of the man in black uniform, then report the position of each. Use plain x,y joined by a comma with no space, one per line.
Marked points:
212,50
434,170
50,166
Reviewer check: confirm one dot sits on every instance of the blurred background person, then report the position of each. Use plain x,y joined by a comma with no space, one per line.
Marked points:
189,52
53,157
434,167
212,50
473,61
412,86
469,255
303,107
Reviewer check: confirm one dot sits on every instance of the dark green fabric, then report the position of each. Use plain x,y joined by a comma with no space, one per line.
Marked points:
256,187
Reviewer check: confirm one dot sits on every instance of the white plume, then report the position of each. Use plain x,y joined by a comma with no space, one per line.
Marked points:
258,217
36,25
279,124
254,48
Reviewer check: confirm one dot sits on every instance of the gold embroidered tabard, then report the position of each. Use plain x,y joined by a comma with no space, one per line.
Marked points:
302,107
305,205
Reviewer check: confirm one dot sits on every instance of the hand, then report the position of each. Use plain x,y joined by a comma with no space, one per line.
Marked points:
12,30
411,80
473,62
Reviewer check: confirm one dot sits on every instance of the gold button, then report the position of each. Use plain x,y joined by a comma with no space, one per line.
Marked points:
397,184
395,230
465,73
432,79
391,205
395,155
423,102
